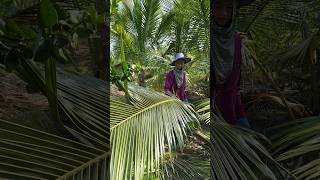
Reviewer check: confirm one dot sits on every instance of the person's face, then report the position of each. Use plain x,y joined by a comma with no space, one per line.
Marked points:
222,11
179,64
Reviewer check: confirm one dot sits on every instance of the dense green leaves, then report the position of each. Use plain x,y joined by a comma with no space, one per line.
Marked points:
15,31
12,28
48,14
299,144
153,31
27,153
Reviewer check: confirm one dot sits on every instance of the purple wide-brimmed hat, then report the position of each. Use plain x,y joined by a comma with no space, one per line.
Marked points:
245,2
178,57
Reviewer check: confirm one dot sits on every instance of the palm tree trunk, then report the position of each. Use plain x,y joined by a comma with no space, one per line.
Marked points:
101,7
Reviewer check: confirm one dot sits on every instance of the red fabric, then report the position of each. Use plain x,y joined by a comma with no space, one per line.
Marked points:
170,86
227,96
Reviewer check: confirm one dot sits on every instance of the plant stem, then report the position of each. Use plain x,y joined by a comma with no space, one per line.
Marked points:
51,86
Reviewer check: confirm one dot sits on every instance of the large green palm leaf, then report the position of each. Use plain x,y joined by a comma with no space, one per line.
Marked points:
203,108
300,142
182,169
85,101
143,130
237,153
30,153
27,153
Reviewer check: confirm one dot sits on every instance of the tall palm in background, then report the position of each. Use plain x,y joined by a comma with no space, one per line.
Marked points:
153,30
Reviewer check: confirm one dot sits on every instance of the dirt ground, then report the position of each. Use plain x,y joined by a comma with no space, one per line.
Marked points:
14,97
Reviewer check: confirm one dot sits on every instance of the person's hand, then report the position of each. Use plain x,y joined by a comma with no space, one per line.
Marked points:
186,101
243,122
168,93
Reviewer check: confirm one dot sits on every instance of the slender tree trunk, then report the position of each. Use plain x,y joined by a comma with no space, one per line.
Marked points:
102,6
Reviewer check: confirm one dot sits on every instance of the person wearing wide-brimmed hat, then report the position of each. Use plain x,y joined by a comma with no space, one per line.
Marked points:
176,83
225,62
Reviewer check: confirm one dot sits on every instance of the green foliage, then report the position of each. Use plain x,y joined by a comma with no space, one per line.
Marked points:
47,47
48,14
13,30
152,32
43,155
142,135
50,78
30,153
179,168
239,154
299,145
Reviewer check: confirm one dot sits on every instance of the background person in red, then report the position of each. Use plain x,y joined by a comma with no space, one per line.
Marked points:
176,83
226,60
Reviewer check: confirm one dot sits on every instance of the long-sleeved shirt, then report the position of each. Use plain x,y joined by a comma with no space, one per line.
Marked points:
170,87
227,96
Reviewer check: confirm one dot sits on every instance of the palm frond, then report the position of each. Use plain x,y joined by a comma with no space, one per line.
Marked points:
179,168
27,153
267,13
203,108
294,54
84,100
301,141
238,154
26,11
30,153
141,131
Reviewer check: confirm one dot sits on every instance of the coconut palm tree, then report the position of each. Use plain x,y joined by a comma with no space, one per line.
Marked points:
166,28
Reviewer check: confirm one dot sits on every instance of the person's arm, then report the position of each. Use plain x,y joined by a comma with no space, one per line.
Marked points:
168,85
